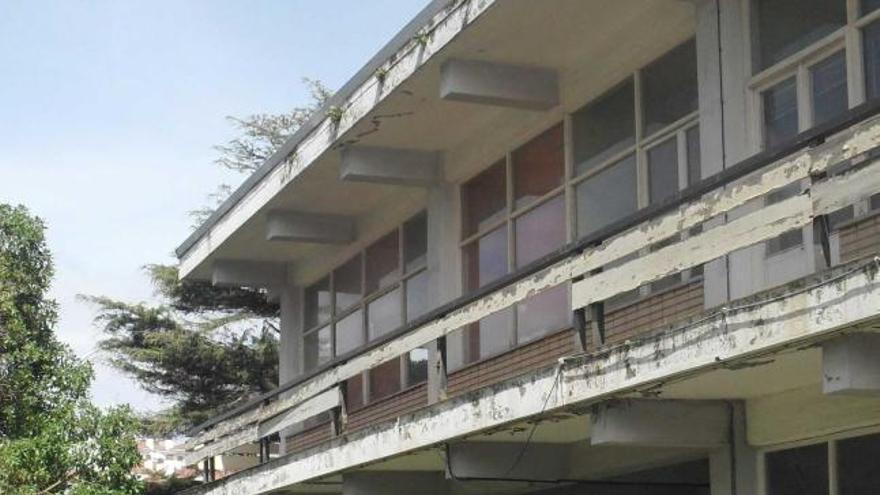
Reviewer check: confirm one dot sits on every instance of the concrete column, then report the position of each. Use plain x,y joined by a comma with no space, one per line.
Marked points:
733,468
290,349
290,352
444,269
397,482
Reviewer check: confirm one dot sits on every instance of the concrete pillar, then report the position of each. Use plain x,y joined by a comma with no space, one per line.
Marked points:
290,349
390,166
488,83
851,365
444,270
396,482
733,468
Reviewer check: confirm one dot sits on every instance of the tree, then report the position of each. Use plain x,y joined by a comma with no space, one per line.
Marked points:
52,439
205,348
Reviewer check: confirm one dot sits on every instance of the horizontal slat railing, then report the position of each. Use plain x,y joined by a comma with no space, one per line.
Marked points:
711,198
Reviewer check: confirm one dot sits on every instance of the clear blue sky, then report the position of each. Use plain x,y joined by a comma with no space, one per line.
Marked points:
109,110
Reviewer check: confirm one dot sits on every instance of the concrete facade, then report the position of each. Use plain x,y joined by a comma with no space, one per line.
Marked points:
709,345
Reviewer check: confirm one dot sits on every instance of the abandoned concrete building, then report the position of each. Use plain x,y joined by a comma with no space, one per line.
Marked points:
572,247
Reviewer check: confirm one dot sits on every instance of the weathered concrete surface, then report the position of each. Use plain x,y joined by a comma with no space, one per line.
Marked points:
490,83
390,166
541,461
295,226
661,423
798,314
851,365
237,273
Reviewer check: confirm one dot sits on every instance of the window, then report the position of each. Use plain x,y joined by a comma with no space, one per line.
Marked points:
530,224
663,148
805,22
808,470
828,88
800,471
780,113
367,297
871,59
868,6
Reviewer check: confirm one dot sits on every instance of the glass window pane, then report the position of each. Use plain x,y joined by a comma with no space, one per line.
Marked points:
857,468
350,333
663,170
456,348
384,314
317,303
828,85
607,196
417,366
871,39
780,113
538,166
484,198
385,380
800,471
383,261
869,6
485,259
417,296
494,334
317,348
669,87
604,127
540,231
785,26
347,284
415,242
543,314
695,172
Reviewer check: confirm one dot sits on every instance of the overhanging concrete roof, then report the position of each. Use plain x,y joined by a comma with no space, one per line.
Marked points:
422,21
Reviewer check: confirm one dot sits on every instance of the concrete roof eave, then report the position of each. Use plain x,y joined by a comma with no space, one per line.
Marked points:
443,18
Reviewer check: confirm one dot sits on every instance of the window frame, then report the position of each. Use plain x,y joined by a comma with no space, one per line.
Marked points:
831,441
642,143
402,278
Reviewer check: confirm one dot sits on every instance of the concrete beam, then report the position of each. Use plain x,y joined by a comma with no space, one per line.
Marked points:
661,423
851,365
538,461
294,226
384,482
239,273
390,166
488,83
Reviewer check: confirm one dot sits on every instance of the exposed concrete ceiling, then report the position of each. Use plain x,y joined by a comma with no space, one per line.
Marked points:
589,42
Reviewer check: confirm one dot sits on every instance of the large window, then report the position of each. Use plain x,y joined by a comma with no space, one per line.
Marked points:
636,145
645,127
514,214
812,60
365,298
841,467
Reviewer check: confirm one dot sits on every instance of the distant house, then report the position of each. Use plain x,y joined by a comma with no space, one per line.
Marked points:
572,246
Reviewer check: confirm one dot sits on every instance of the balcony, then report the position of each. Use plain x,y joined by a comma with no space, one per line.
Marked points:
619,347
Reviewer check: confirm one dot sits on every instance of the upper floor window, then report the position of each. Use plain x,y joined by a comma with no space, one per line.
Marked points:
812,59
513,213
368,296
645,127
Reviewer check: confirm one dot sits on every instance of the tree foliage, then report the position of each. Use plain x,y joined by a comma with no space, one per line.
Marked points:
205,348
52,439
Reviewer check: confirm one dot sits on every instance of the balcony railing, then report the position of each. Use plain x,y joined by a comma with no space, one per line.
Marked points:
838,160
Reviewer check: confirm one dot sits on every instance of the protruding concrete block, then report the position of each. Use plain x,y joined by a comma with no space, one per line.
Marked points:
238,273
294,226
851,365
540,461
531,88
662,423
390,166
399,482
